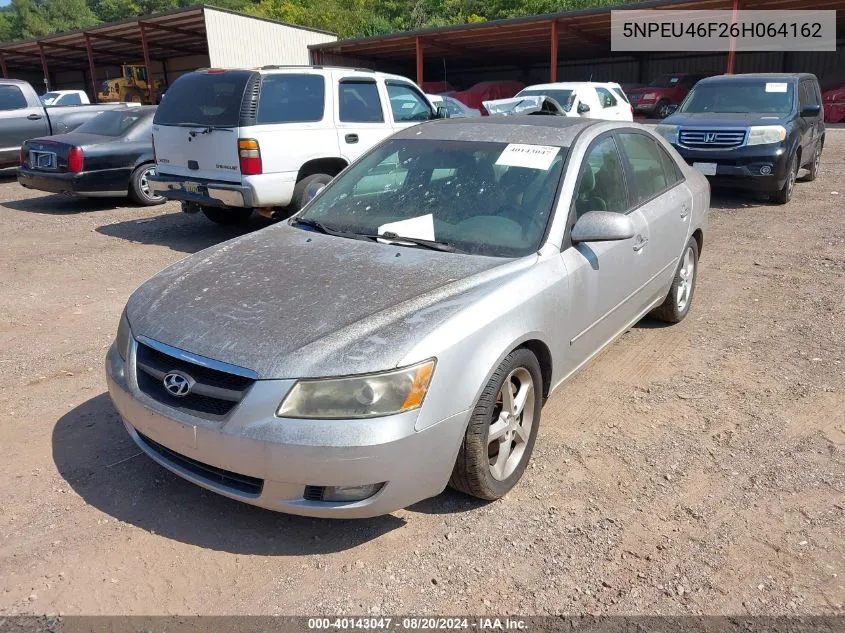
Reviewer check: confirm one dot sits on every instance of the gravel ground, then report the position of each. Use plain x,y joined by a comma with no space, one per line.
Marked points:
692,469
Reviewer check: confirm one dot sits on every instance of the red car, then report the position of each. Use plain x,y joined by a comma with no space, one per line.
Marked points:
833,101
666,90
487,91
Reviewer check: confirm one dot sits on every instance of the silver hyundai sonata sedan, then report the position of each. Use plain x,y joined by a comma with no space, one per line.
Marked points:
402,332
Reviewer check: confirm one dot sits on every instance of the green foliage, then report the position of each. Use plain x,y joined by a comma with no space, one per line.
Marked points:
348,18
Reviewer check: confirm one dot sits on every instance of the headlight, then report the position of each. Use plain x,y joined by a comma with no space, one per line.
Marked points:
764,134
123,340
366,396
669,132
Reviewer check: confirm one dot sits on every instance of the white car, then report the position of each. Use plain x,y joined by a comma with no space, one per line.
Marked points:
64,98
228,142
589,99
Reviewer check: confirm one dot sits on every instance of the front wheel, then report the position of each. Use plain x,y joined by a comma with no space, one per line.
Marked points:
227,216
661,111
677,303
784,194
501,433
139,186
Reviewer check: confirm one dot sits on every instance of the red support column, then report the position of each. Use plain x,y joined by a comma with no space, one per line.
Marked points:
91,68
553,58
419,61
147,65
732,50
3,66
44,67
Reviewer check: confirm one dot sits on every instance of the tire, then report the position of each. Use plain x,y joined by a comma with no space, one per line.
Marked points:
473,472
813,172
133,96
305,190
677,303
661,110
139,188
227,216
784,194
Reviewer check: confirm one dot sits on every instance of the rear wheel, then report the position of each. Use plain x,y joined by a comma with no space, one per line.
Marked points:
784,194
139,186
227,216
501,433
305,190
678,301
813,172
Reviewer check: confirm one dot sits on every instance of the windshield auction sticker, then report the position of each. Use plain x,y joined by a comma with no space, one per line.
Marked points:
530,156
671,30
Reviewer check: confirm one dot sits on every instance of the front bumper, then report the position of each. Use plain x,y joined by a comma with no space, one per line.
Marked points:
107,182
744,167
283,456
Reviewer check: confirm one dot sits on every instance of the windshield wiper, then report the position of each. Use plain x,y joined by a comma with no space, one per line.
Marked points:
322,228
434,245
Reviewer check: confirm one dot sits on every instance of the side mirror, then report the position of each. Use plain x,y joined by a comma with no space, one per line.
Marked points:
602,226
583,108
811,110
441,113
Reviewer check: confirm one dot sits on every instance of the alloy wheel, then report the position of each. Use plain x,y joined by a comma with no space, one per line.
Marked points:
687,277
511,426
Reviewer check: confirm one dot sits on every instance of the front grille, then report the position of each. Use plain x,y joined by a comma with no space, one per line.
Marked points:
711,139
244,484
214,393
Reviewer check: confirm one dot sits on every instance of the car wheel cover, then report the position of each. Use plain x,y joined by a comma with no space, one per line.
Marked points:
817,159
513,419
790,180
686,279
144,184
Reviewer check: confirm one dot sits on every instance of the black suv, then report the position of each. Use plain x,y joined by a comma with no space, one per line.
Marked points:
751,131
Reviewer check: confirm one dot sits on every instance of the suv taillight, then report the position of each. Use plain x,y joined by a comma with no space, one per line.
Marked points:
250,156
75,160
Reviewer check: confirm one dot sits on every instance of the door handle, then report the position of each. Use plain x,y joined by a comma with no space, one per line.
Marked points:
351,138
34,117
639,243
684,212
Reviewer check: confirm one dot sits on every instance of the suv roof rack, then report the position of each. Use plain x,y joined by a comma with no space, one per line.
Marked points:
317,66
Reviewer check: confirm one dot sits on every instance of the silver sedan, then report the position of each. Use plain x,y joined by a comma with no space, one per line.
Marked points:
402,332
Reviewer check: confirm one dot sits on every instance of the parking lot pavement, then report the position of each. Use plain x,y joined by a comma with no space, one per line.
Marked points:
696,468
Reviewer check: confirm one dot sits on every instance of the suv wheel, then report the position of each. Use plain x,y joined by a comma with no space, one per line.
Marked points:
661,110
502,430
678,301
784,195
813,172
306,189
227,216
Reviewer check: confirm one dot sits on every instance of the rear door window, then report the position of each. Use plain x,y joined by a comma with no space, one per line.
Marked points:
291,99
649,176
11,98
204,99
359,102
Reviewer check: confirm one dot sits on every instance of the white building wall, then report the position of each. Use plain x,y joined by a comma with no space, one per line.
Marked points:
237,41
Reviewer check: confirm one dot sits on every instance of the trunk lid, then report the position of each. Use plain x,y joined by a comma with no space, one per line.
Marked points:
50,154
196,126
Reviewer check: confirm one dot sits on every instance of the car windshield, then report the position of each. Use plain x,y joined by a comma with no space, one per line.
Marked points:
665,81
758,97
482,198
565,98
112,123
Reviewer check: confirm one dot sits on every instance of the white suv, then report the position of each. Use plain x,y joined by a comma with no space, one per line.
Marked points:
588,99
228,142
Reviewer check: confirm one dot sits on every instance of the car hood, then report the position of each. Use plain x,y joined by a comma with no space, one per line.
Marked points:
289,303
724,119
644,89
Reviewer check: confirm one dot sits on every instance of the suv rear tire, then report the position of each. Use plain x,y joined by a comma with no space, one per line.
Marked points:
305,190
227,216
813,171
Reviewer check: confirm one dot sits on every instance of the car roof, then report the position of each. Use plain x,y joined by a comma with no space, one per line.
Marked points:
366,72
557,131
760,76
572,84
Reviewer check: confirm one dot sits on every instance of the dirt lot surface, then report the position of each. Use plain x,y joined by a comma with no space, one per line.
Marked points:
698,468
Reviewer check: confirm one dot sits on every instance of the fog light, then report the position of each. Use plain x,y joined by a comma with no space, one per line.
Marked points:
766,170
341,493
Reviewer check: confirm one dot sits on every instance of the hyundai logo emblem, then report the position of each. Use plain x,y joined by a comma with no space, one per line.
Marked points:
178,384
710,137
